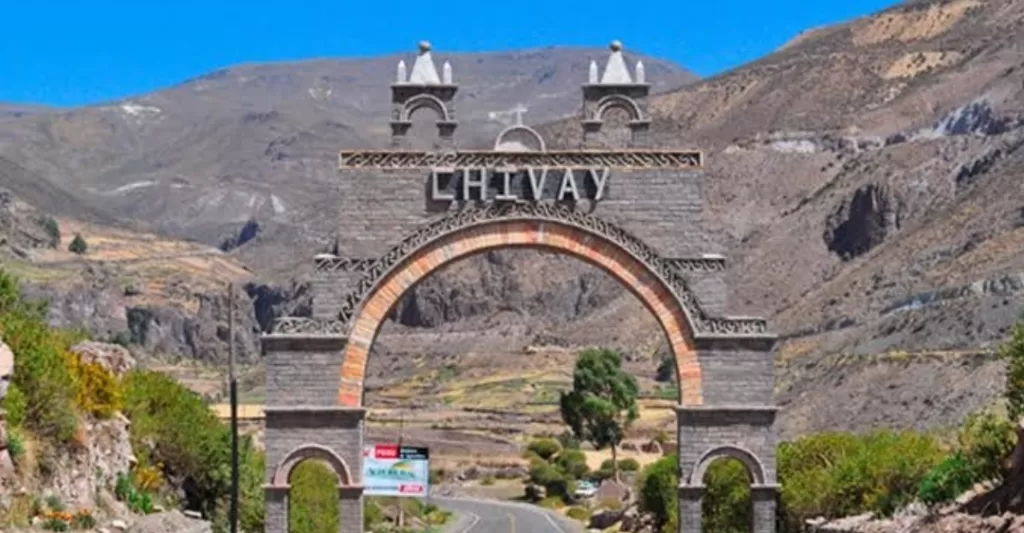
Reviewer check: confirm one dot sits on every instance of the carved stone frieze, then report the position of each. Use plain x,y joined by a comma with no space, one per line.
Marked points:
642,159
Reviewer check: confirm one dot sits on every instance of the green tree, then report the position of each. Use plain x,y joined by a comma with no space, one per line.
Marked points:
52,229
602,403
312,507
666,372
78,245
1013,352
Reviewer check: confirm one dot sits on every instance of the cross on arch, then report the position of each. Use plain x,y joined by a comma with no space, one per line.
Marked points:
519,109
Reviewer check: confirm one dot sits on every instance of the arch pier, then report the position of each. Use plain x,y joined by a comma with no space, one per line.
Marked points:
633,212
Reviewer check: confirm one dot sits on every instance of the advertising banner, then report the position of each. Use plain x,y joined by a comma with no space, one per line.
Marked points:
393,470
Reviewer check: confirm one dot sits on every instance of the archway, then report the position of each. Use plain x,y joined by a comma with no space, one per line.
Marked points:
642,279
300,499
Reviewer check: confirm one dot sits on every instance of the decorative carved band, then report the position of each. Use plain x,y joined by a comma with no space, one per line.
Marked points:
700,321
698,264
644,159
333,263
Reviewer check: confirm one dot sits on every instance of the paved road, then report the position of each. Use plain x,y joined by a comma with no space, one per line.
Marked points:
488,516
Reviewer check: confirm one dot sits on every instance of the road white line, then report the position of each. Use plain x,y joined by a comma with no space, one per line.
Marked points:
472,523
524,507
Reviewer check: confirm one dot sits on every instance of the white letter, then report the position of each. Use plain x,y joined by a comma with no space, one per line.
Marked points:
568,185
506,185
480,184
436,194
598,182
537,187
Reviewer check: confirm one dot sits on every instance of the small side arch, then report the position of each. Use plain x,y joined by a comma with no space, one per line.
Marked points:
621,102
754,466
428,101
511,140
311,451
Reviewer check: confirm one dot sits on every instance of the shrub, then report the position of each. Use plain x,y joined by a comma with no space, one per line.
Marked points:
947,480
727,507
837,474
138,501
986,440
192,444
99,393
311,509
657,491
544,448
1013,352
629,465
78,245
52,229
573,463
487,480
83,520
42,390
15,445
578,513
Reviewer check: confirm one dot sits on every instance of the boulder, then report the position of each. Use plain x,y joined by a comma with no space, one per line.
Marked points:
113,357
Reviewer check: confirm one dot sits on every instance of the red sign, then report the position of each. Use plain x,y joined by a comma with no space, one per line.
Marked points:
385,451
411,489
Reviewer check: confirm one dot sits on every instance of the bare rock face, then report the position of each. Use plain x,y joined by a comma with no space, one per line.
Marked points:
114,358
862,221
105,452
169,522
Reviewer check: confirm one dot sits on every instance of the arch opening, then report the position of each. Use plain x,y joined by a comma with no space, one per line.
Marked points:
617,101
312,506
727,503
315,452
425,101
639,278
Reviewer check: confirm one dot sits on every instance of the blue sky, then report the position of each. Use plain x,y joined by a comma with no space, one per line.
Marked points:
67,53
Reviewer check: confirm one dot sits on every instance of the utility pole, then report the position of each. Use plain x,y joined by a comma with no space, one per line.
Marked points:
233,393
401,504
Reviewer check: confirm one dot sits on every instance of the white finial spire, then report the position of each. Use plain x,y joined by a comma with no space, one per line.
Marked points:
446,73
640,75
615,72
402,75
423,70
593,72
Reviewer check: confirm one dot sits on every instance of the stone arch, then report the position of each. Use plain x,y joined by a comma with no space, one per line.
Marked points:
378,293
754,466
619,101
424,100
315,452
502,145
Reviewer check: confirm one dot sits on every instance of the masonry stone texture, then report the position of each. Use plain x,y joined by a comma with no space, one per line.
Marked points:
645,230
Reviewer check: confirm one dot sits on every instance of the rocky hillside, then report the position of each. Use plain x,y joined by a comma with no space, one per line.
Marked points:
863,181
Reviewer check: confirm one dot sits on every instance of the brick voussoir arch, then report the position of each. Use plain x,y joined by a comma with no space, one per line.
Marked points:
283,470
641,277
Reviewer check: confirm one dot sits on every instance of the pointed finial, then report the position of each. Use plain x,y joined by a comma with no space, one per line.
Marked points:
446,73
402,75
616,72
640,77
423,70
593,72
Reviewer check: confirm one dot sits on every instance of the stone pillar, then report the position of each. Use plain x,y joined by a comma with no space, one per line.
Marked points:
764,498
592,135
446,135
276,517
691,498
350,509
639,137
399,137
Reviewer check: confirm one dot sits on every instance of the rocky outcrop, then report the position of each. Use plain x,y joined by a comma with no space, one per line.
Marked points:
202,335
862,221
6,372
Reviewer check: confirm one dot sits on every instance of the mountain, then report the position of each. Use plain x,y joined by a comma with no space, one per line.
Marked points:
863,181
200,159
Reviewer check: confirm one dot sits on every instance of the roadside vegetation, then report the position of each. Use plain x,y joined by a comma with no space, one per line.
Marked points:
183,450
